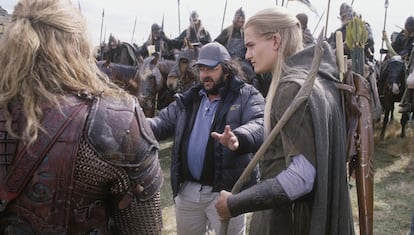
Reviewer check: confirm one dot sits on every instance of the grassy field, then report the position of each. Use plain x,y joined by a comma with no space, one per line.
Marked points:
393,190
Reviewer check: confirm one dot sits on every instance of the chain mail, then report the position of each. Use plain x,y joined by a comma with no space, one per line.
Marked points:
139,217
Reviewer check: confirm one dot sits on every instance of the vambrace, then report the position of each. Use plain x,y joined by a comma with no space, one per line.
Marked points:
264,195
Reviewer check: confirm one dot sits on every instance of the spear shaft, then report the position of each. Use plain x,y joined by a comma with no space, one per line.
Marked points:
100,37
102,20
224,15
133,30
327,17
179,17
383,29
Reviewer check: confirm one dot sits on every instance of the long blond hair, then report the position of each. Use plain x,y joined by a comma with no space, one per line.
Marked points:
266,23
46,54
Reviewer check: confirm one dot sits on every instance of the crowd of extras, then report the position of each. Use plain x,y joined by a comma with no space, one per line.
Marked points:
398,45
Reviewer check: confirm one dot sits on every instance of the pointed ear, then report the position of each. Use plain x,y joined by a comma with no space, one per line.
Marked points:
277,40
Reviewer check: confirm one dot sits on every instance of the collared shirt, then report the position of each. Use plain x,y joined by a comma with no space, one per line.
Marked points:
200,134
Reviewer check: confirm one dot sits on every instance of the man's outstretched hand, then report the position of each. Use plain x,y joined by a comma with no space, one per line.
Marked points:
227,138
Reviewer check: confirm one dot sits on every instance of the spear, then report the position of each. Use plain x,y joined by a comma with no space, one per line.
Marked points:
319,21
327,17
386,4
100,37
162,37
224,15
179,18
133,30
102,20
104,37
300,98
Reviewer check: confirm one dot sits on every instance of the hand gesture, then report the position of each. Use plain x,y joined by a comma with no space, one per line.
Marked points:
227,138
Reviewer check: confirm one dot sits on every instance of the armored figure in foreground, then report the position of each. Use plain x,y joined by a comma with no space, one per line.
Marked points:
77,156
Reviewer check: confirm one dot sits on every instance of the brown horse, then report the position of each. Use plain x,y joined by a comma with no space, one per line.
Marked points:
122,75
165,95
150,84
183,75
142,81
177,76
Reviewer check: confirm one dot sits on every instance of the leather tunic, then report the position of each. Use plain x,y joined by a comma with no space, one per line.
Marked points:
100,174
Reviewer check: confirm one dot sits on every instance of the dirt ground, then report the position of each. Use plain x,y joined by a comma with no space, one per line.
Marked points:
393,188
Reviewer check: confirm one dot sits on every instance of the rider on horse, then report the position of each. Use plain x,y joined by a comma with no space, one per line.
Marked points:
118,52
347,14
232,38
159,42
403,45
195,33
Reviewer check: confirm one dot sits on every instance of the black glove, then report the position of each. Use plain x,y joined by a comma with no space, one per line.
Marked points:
264,195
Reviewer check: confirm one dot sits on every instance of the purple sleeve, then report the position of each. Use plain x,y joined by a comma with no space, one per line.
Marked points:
297,180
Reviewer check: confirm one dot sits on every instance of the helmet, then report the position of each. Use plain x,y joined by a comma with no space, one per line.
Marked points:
239,13
111,38
346,12
194,16
409,24
155,27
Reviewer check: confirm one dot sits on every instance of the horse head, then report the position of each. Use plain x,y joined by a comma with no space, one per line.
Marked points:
393,77
150,82
122,75
149,76
183,75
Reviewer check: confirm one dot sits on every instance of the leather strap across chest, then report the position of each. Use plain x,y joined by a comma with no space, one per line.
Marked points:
27,160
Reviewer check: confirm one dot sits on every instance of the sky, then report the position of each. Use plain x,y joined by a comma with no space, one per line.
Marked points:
131,20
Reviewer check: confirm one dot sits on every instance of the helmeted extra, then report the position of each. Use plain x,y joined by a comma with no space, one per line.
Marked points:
97,162
326,210
233,40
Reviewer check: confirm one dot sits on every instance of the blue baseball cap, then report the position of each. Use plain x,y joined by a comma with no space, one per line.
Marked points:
212,54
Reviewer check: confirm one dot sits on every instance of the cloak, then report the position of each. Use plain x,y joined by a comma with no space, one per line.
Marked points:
317,130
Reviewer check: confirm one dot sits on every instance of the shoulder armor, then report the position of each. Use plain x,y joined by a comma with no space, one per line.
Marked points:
120,134
116,129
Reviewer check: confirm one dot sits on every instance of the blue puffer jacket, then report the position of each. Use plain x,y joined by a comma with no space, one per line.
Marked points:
241,106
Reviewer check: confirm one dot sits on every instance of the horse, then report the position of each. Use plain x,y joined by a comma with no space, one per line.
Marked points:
122,75
150,84
165,95
123,53
183,75
177,76
142,81
391,87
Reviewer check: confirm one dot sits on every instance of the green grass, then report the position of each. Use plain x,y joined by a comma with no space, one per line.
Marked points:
393,189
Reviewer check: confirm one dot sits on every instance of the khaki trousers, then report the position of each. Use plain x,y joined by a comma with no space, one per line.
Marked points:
196,214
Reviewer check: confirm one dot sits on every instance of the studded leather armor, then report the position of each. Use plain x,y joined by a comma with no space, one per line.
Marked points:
100,172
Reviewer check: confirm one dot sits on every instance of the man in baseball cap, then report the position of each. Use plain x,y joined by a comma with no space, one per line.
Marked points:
217,126
212,54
